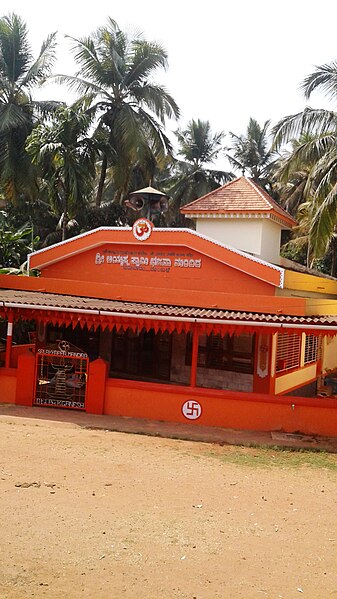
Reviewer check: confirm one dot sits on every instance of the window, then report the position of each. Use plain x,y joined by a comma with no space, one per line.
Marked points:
288,351
312,348
223,353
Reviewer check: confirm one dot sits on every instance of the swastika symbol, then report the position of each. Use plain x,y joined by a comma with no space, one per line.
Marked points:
191,409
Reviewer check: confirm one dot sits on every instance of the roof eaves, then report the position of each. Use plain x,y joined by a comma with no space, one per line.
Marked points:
117,308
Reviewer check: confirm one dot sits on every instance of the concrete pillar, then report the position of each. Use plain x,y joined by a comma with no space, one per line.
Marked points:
97,376
25,380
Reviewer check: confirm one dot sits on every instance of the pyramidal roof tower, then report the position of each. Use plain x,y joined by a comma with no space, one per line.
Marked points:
243,215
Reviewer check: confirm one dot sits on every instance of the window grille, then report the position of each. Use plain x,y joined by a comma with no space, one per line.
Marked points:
288,351
312,348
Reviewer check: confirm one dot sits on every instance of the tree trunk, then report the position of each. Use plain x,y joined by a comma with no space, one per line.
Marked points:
334,257
65,219
308,260
101,180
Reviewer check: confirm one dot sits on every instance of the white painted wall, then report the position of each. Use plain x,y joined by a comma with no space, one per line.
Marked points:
271,241
260,237
242,234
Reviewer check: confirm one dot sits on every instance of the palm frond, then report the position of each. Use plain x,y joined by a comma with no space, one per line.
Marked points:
324,77
41,68
157,99
84,88
197,144
146,57
310,120
12,117
86,55
323,223
14,47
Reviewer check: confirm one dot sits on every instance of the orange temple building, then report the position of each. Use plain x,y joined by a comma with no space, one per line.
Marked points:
209,326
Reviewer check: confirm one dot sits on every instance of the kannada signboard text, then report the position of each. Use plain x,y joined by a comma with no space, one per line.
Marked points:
134,261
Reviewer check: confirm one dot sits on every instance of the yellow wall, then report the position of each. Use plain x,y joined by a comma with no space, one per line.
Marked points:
294,379
304,282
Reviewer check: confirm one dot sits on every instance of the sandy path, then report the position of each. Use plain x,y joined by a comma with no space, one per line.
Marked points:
113,515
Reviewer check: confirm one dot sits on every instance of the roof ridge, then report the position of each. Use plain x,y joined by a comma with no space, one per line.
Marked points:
272,202
257,188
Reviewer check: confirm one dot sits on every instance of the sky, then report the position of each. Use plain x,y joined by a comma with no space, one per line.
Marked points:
228,60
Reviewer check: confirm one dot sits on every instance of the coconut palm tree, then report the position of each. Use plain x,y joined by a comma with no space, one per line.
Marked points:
291,176
318,129
19,75
65,153
251,153
116,73
192,177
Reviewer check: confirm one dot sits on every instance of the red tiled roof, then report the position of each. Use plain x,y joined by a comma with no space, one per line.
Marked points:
32,300
242,195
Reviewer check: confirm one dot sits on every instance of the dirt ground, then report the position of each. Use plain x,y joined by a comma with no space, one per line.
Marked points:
106,515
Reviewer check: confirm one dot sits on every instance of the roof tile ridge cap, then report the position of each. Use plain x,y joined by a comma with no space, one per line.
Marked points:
209,193
272,203
259,191
86,233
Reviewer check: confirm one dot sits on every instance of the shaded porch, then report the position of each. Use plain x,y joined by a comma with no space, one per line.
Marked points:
234,370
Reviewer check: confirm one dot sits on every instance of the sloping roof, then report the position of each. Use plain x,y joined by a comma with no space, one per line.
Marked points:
242,195
37,301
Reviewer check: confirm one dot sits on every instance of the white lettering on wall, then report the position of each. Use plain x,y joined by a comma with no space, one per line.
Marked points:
141,262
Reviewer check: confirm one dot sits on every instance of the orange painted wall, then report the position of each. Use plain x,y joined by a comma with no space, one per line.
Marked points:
230,299
96,386
222,408
17,350
225,409
263,384
25,379
8,385
179,239
212,274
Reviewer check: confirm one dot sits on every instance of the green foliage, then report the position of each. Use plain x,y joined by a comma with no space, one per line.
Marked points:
314,153
66,156
197,144
19,74
275,457
14,244
116,72
252,152
107,215
191,177
56,160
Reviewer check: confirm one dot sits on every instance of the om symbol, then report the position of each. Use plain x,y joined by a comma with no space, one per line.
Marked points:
142,229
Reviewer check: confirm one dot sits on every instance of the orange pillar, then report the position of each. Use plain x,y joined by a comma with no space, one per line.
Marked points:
25,380
9,340
94,403
194,361
263,381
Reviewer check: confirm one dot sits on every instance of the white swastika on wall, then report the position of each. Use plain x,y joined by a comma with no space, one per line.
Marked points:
191,409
